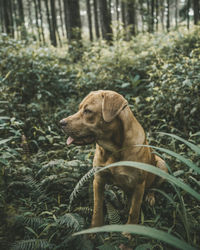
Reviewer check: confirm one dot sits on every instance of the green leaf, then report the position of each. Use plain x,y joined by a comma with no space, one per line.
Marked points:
5,140
4,118
181,158
195,148
141,230
156,171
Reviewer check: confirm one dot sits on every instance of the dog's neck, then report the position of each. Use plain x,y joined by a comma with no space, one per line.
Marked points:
113,138
133,131
127,133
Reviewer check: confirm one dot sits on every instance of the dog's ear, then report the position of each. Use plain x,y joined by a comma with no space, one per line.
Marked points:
113,103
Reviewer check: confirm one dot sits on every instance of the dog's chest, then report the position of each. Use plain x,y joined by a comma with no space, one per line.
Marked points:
125,177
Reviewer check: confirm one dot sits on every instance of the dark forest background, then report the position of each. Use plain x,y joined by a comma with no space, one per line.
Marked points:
52,54
55,21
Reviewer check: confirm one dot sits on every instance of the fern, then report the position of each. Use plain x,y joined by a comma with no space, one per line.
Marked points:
32,244
84,210
80,184
34,222
113,215
36,186
72,221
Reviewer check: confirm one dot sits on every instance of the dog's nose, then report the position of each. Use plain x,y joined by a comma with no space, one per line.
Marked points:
63,123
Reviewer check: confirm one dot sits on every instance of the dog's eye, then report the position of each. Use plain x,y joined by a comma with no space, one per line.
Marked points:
87,111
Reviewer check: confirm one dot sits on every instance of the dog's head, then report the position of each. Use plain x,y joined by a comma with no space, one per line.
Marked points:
97,115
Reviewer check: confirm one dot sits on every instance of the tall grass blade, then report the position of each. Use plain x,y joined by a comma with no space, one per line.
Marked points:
195,148
181,158
156,171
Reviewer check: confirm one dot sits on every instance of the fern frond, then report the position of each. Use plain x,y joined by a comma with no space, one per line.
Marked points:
113,215
83,210
80,184
35,185
32,222
32,244
71,220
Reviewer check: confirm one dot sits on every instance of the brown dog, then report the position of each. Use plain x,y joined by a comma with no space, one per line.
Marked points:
104,117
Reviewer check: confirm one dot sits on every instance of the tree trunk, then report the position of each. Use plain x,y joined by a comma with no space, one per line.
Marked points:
53,22
131,17
117,9
89,19
152,15
196,8
41,21
30,23
49,21
123,11
157,14
105,21
2,17
96,23
176,13
36,20
8,20
188,16
72,20
162,13
168,15
61,17
141,8
21,19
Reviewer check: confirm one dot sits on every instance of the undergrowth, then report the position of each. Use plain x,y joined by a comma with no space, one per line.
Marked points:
46,188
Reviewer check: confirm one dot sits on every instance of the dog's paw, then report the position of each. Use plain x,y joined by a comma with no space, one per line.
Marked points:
150,198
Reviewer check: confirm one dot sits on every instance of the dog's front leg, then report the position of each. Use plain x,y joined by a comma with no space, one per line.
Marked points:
136,201
98,189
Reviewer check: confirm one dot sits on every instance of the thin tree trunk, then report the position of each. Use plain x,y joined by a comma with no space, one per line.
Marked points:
123,11
96,23
142,14
41,21
131,18
2,17
149,16
53,19
196,7
152,15
8,21
36,20
61,17
105,21
89,19
30,15
17,19
188,15
11,17
49,21
162,11
157,15
117,9
21,19
176,13
168,15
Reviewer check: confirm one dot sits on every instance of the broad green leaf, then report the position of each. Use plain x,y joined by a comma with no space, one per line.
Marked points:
141,230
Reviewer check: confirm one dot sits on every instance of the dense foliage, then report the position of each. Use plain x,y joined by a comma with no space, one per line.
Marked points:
41,206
